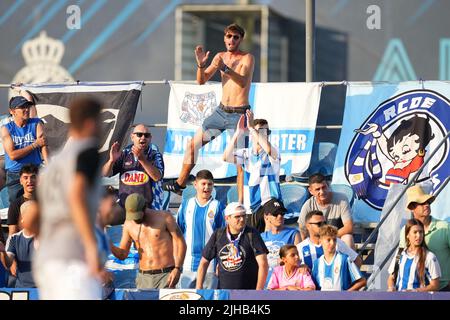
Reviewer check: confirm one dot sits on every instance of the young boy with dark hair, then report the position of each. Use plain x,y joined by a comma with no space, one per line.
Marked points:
198,217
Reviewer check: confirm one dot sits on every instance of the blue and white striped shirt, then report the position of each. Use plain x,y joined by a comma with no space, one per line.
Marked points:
261,177
197,223
407,278
338,275
310,252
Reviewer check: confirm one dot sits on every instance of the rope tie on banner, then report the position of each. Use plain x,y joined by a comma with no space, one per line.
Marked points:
422,83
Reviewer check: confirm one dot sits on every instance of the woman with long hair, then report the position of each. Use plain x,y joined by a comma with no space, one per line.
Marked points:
418,268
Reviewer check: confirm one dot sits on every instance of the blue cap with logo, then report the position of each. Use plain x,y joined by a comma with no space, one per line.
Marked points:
18,102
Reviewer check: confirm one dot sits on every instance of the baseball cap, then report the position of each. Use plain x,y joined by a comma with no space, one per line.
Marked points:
134,206
274,206
234,207
19,101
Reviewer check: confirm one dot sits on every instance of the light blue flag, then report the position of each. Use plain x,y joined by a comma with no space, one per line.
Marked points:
388,132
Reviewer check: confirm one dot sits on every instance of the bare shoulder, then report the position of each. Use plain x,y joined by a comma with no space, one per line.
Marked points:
219,56
248,56
5,131
158,214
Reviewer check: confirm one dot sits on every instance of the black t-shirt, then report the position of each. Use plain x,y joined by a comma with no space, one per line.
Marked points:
14,211
88,164
241,273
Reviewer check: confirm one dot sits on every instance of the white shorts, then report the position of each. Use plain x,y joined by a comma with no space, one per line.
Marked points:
61,280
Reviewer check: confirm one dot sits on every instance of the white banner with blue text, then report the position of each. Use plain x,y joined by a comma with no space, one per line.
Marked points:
290,108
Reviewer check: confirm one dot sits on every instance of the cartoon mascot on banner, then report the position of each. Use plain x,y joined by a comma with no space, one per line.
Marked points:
391,146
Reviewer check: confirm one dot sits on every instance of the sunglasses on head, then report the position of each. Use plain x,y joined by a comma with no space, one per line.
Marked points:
234,36
319,224
140,134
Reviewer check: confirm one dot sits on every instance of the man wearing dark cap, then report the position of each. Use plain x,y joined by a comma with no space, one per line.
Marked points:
277,234
24,142
158,240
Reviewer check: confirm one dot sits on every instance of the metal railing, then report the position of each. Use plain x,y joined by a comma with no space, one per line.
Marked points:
410,183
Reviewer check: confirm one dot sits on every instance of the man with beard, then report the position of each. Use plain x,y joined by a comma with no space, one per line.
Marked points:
240,251
236,69
140,166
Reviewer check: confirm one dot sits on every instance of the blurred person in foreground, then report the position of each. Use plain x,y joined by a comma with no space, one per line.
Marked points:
67,264
21,246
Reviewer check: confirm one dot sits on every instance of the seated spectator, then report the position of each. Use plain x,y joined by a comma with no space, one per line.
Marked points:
241,253
198,217
21,246
278,234
288,275
417,269
28,178
334,271
24,142
140,166
311,249
437,232
334,206
105,216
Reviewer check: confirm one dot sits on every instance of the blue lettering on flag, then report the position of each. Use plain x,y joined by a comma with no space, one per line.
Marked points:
288,141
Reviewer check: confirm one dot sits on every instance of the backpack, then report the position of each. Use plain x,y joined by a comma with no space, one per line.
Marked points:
397,264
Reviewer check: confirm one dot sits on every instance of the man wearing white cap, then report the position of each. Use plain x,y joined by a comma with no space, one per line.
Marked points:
437,232
241,253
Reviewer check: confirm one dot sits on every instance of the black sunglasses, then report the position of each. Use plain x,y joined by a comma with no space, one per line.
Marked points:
140,134
319,224
235,37
276,213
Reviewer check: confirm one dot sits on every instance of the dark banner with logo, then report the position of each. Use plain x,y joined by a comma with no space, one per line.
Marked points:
119,108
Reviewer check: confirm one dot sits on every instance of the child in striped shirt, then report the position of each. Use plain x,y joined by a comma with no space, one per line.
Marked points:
334,271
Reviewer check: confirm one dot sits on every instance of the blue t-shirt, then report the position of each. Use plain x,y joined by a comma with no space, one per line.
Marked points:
23,137
274,242
22,248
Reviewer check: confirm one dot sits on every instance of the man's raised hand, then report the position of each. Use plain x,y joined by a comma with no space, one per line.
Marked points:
114,152
200,56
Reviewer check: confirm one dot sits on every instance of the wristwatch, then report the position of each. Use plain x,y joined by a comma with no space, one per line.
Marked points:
179,268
